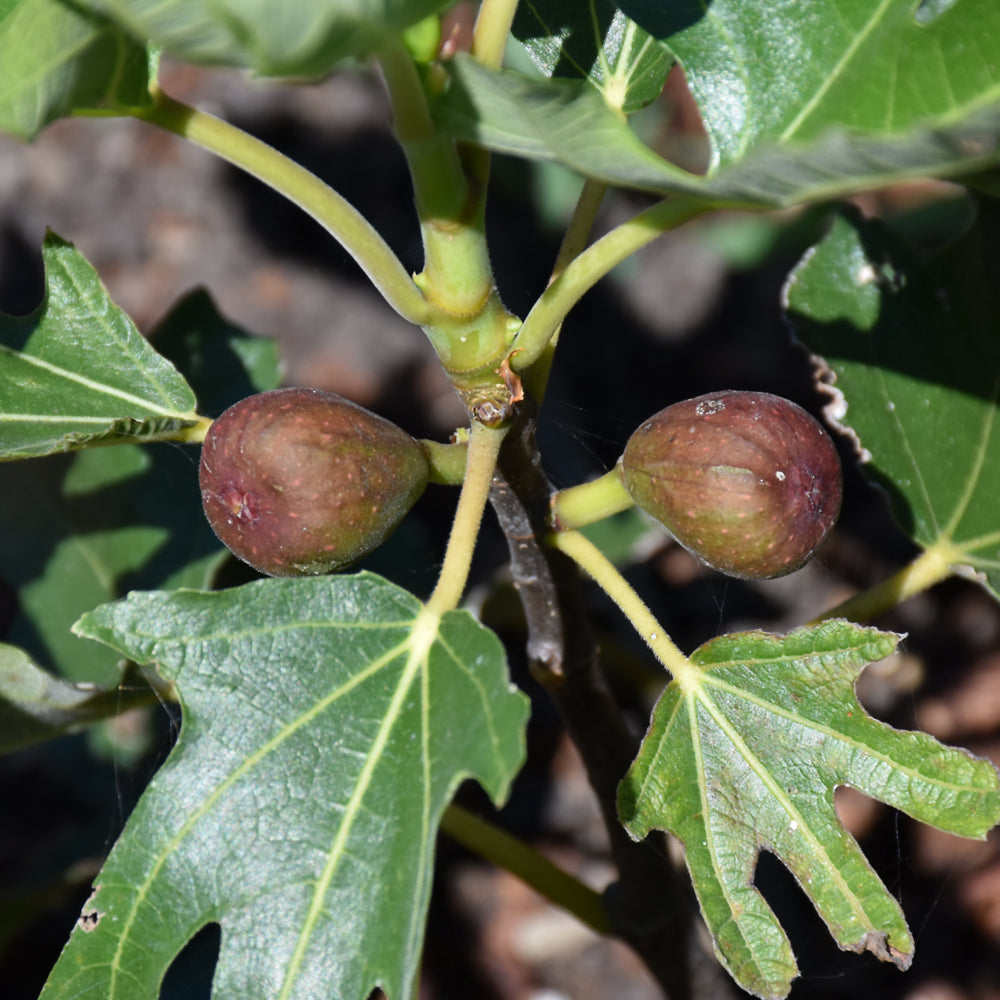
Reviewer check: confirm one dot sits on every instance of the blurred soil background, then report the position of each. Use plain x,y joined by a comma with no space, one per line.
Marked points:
696,311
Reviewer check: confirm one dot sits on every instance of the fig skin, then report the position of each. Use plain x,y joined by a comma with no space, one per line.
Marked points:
298,482
748,482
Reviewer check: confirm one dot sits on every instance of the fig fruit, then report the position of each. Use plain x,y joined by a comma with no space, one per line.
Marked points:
299,481
748,482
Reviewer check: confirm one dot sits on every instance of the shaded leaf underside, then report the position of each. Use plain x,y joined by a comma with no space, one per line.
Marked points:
55,60
302,39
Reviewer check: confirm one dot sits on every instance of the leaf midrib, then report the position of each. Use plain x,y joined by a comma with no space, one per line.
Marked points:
689,700
827,731
33,418
418,651
98,387
782,798
833,76
244,767
58,59
979,460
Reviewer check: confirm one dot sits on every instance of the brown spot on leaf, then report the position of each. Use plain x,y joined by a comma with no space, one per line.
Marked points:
89,917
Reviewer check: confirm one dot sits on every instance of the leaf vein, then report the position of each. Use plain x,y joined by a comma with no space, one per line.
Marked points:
243,768
979,460
833,75
103,389
417,654
786,803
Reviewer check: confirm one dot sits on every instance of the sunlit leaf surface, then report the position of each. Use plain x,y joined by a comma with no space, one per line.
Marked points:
801,101
76,371
745,757
326,724
912,349
598,43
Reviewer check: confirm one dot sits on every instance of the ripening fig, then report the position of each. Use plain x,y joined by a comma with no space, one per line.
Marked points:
299,481
748,482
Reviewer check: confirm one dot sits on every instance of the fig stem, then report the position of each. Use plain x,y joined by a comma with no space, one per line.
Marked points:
411,118
580,224
484,446
491,31
593,562
457,277
581,505
932,566
195,434
573,244
495,845
584,271
317,199
439,182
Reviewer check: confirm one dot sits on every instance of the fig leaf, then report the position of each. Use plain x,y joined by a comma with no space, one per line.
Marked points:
745,757
326,724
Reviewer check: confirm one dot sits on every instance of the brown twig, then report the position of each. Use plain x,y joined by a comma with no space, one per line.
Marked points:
650,905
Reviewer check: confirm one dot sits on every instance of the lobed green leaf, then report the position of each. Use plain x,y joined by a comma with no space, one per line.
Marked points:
83,529
911,350
787,73
745,756
326,724
801,101
76,371
36,706
222,362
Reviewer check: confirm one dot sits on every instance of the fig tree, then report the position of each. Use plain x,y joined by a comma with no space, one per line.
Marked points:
747,481
299,481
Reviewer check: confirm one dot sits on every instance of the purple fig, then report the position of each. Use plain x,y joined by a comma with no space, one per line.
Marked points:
748,482
298,481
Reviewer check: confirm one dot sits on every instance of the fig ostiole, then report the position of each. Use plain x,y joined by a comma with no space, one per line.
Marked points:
298,482
749,482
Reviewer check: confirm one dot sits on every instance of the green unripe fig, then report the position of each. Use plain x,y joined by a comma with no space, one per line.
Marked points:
748,482
299,481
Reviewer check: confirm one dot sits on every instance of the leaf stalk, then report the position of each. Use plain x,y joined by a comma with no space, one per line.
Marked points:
489,42
590,559
932,566
584,271
484,446
573,243
491,31
195,434
304,189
